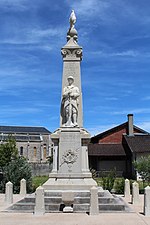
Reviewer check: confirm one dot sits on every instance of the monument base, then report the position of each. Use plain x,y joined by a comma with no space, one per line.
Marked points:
69,184
70,161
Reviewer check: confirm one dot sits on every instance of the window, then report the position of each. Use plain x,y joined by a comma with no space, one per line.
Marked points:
21,150
44,152
35,151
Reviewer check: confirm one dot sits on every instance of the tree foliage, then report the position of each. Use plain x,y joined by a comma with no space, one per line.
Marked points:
142,166
8,151
16,170
13,166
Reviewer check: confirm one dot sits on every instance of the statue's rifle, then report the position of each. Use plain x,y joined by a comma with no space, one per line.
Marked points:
69,110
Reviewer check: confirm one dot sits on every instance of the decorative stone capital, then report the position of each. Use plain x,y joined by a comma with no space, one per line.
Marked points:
72,54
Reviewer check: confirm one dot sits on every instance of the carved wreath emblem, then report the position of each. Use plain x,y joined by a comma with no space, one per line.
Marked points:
69,157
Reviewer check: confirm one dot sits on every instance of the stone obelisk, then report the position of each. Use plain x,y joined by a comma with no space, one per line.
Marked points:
70,155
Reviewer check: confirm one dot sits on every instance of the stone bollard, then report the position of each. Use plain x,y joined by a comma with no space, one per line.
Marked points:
23,191
9,193
94,207
135,193
147,201
127,190
39,201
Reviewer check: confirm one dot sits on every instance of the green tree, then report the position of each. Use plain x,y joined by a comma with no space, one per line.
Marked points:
8,151
16,170
13,166
142,166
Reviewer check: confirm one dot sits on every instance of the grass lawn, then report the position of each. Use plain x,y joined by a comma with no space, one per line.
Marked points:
39,180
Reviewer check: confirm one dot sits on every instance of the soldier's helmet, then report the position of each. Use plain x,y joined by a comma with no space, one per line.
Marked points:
71,78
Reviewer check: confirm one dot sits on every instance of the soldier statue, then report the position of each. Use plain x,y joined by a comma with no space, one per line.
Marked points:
70,104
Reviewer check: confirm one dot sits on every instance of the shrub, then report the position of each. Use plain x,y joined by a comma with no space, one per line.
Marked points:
108,181
16,170
119,185
142,165
99,181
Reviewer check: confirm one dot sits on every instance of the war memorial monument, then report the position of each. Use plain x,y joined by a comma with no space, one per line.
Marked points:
70,187
70,168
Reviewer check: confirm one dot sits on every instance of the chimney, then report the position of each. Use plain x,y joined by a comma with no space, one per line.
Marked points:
130,125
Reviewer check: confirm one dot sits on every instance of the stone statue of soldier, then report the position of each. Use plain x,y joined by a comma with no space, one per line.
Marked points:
70,104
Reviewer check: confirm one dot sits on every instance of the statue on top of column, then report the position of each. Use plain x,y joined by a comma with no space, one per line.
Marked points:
72,19
72,33
69,106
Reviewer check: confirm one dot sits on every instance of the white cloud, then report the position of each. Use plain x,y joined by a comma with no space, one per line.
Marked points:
99,129
111,98
132,111
89,8
102,128
144,126
50,32
14,5
131,53
127,53
15,79
146,98
107,11
34,36
14,111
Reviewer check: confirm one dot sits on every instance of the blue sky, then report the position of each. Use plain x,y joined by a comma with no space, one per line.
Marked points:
115,36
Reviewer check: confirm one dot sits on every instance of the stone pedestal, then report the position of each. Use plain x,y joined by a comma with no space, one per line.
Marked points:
70,169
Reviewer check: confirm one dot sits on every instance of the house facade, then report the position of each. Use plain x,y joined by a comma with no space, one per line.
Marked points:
117,148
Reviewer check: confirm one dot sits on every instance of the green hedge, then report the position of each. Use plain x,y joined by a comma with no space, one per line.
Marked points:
119,185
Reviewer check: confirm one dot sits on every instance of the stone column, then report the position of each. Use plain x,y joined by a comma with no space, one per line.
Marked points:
55,152
94,207
9,193
127,190
135,193
147,201
23,190
72,57
39,201
85,161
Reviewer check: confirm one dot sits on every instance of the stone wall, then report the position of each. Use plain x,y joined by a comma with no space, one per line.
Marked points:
40,169
36,151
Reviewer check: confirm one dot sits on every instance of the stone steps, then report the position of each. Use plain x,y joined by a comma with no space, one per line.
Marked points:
53,202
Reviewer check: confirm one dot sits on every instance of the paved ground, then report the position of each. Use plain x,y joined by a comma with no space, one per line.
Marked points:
133,218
